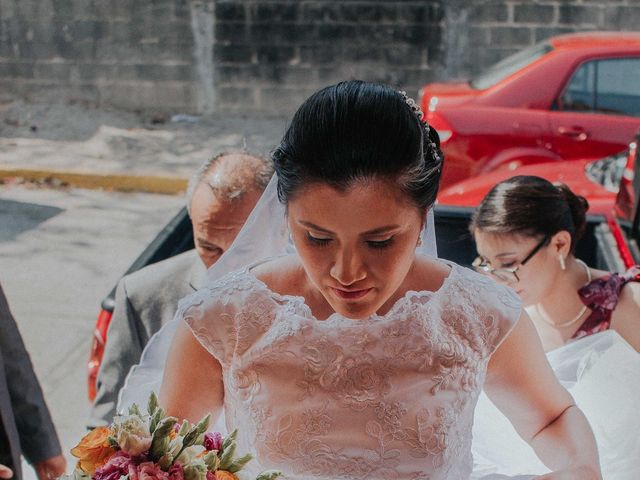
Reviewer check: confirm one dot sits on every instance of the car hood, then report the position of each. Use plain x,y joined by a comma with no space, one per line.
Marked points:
572,173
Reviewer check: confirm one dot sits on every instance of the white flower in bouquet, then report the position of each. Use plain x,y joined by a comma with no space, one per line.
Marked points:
175,447
190,455
132,434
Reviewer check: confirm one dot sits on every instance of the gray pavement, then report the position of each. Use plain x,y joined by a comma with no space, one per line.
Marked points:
61,252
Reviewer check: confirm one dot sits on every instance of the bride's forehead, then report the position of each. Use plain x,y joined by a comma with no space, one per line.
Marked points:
369,202
359,191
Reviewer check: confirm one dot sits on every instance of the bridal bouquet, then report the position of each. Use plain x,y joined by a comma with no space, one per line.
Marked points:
153,446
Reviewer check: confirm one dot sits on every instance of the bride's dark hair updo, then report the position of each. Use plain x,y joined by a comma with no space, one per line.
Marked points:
356,130
531,206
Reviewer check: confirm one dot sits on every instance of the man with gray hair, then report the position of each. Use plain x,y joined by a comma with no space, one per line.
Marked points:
220,196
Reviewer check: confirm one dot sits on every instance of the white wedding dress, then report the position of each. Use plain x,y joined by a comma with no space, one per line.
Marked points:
389,396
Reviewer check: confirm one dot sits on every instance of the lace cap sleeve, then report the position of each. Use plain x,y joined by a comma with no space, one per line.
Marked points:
508,309
211,315
497,309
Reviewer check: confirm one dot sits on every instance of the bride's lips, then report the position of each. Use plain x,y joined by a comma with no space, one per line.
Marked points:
350,294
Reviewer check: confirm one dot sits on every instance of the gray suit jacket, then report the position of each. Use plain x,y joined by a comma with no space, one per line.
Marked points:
145,301
25,423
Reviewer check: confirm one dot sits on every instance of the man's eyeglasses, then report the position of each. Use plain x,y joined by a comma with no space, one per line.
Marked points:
508,275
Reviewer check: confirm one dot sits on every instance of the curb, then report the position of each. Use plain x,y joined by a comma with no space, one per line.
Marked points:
113,182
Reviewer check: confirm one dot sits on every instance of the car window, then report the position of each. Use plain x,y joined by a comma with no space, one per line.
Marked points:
580,92
617,90
604,86
510,65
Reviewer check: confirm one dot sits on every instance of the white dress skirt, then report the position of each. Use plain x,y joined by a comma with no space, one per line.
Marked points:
602,373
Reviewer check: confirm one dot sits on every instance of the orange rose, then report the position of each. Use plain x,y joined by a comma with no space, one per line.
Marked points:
224,475
93,451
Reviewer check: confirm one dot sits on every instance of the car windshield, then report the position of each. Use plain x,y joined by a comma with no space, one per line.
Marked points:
608,171
509,65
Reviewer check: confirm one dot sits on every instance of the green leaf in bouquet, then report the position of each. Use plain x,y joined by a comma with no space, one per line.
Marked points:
204,424
134,410
190,438
269,475
165,461
195,433
158,448
239,463
184,428
212,461
160,439
229,439
227,456
152,406
158,416
195,472
113,442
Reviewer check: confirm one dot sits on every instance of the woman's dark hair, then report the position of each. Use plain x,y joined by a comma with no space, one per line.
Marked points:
356,130
531,206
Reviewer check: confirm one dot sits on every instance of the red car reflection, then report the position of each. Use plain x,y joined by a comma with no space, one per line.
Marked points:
572,96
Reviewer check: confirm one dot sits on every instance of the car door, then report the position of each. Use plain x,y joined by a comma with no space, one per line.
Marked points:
598,111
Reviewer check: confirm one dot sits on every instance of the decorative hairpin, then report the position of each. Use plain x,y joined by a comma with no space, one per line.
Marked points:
415,108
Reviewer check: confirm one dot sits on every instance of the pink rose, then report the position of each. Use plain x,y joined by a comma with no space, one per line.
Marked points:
151,471
213,441
176,472
133,472
115,467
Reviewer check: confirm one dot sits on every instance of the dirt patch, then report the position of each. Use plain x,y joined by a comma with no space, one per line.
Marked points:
81,138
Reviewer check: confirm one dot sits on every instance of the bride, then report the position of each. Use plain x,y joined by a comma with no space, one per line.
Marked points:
355,355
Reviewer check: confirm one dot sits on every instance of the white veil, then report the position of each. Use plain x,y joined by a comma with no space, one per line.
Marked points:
264,235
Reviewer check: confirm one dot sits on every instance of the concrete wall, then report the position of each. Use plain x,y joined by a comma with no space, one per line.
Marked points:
201,56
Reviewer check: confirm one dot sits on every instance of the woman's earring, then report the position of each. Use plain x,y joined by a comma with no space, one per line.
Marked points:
563,265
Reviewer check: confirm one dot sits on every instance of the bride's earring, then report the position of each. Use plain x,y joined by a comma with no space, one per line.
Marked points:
563,265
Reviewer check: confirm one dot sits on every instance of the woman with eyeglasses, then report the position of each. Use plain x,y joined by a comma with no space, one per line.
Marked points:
526,230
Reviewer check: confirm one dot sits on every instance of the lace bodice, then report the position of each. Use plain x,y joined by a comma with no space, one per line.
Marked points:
391,396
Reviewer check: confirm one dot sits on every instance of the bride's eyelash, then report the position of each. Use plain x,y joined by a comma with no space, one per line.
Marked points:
380,243
320,242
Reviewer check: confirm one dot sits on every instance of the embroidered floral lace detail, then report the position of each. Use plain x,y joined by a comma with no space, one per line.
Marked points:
387,397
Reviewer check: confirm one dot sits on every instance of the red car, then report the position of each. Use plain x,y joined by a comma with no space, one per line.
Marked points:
572,96
596,180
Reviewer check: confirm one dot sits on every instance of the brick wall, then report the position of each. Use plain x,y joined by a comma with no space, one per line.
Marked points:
265,55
